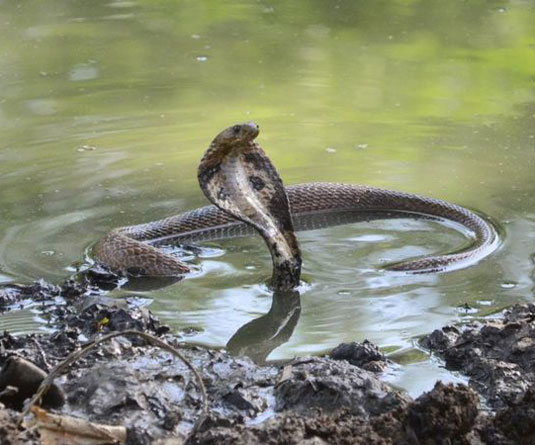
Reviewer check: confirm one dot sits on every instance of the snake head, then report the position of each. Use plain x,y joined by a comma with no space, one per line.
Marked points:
237,134
235,138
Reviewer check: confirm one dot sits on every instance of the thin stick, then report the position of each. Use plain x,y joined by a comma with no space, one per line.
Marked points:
71,358
42,353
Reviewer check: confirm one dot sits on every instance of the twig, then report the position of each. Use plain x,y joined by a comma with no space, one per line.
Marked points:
41,353
71,358
54,428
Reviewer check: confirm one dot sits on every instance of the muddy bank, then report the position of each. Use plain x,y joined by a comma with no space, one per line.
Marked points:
498,355
338,399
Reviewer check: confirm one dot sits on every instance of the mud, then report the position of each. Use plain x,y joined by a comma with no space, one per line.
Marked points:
498,355
338,399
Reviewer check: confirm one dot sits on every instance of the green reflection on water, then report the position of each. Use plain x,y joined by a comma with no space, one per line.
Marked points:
106,107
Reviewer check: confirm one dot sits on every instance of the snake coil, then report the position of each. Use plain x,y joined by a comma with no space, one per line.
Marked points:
246,190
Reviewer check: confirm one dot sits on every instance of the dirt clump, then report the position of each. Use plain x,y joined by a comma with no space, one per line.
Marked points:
365,355
444,408
10,434
445,412
498,355
331,385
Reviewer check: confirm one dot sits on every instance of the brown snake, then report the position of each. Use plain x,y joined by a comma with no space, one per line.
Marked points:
238,177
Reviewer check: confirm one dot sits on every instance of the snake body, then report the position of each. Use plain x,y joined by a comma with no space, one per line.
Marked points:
238,177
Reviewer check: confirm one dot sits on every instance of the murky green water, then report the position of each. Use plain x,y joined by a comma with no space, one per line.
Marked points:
106,108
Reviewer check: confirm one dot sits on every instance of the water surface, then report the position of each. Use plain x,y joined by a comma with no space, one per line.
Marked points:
107,107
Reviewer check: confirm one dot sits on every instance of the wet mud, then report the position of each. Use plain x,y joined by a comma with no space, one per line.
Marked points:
339,399
497,355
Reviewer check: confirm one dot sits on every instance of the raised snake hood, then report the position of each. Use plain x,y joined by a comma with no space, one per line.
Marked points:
238,177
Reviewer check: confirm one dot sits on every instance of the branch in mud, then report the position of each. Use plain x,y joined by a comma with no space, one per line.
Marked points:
55,429
74,356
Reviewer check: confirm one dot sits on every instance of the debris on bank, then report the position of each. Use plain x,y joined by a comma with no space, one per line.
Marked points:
498,355
130,383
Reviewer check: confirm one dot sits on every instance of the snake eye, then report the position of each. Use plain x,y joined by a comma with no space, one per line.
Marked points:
236,129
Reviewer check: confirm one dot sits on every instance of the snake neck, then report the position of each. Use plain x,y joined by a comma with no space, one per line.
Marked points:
238,177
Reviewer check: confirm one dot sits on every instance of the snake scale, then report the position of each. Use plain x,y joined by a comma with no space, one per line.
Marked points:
246,190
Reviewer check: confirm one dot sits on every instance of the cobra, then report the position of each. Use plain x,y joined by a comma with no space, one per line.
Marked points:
248,195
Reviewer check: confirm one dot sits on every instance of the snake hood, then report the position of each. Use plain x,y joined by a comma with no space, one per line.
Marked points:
237,176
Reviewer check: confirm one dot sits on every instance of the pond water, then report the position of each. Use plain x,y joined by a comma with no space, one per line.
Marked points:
106,108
